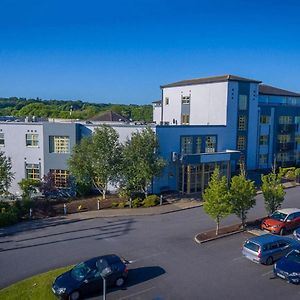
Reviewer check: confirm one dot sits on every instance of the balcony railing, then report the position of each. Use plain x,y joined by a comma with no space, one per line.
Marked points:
283,147
286,128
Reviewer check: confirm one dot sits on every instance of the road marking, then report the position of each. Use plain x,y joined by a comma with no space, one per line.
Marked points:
138,293
238,258
268,273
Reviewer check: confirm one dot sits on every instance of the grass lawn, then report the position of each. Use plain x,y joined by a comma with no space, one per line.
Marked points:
34,288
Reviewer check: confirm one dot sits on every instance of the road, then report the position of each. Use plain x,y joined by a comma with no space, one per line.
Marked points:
167,263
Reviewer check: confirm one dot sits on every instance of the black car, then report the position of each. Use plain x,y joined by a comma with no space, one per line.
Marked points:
85,278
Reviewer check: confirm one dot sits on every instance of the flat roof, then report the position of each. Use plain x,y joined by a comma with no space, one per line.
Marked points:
212,79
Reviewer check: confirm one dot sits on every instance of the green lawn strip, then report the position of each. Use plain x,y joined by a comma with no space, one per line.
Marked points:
34,288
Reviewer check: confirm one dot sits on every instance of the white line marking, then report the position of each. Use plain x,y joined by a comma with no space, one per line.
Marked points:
138,293
268,273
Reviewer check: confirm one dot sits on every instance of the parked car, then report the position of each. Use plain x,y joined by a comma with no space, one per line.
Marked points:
296,234
282,220
288,267
267,248
85,278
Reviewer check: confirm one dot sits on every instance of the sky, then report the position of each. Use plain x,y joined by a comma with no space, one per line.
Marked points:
122,51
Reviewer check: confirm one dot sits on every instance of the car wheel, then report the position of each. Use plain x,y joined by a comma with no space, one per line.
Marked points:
74,295
282,231
269,260
119,282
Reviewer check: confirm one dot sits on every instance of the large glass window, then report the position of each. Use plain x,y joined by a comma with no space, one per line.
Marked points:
263,140
283,138
283,156
60,178
264,119
59,144
285,120
243,99
185,119
185,99
210,144
186,145
297,120
2,139
198,144
241,143
32,171
32,140
263,159
242,122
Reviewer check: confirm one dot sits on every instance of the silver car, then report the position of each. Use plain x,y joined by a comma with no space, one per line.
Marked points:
267,248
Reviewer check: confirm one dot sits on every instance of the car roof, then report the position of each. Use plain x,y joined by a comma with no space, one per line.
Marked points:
288,210
265,238
110,258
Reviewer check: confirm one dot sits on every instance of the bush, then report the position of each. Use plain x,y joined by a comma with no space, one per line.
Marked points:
8,218
122,204
151,200
137,202
283,171
114,204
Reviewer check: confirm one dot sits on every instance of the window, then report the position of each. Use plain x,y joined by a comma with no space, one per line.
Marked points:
185,99
297,120
297,139
198,144
167,100
60,178
59,144
241,144
285,120
185,119
32,171
242,122
32,140
263,140
210,144
283,156
186,145
1,139
263,159
243,99
264,119
283,138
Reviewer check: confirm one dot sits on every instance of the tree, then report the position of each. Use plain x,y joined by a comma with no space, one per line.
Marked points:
242,195
47,185
97,159
6,175
272,190
28,186
217,199
141,162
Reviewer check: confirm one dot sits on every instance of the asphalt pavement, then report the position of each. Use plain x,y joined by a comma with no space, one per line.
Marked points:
166,262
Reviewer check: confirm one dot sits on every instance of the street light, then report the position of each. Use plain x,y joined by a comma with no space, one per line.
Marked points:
104,274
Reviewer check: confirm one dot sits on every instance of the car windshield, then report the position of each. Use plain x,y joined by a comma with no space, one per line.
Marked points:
279,216
252,246
80,271
294,256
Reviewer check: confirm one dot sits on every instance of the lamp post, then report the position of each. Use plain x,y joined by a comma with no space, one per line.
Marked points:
104,274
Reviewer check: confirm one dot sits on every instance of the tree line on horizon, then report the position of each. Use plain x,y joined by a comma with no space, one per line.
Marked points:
67,109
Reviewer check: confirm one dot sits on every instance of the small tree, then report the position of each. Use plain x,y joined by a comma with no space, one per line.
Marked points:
272,190
28,186
6,175
217,199
141,162
242,195
97,159
47,185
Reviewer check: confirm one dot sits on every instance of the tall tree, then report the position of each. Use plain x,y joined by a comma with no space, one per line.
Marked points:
141,161
242,195
97,159
272,190
6,174
217,199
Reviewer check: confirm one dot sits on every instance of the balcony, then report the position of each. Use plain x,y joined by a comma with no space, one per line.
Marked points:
287,128
283,147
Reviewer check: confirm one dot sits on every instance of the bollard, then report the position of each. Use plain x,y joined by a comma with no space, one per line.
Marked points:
30,212
65,209
98,204
130,202
160,199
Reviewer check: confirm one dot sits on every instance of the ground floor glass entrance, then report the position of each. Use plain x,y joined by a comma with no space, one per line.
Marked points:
194,178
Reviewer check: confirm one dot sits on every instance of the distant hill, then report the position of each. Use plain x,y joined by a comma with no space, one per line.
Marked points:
22,107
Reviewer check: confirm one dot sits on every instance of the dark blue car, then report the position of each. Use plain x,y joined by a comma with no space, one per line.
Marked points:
288,267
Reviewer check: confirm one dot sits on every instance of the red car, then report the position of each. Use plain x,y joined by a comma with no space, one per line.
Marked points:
282,220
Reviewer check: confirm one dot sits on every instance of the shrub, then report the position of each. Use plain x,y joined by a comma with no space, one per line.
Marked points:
151,200
8,218
283,171
137,202
114,204
297,172
122,204
290,175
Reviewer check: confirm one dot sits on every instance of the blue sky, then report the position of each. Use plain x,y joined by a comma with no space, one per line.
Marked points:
122,51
